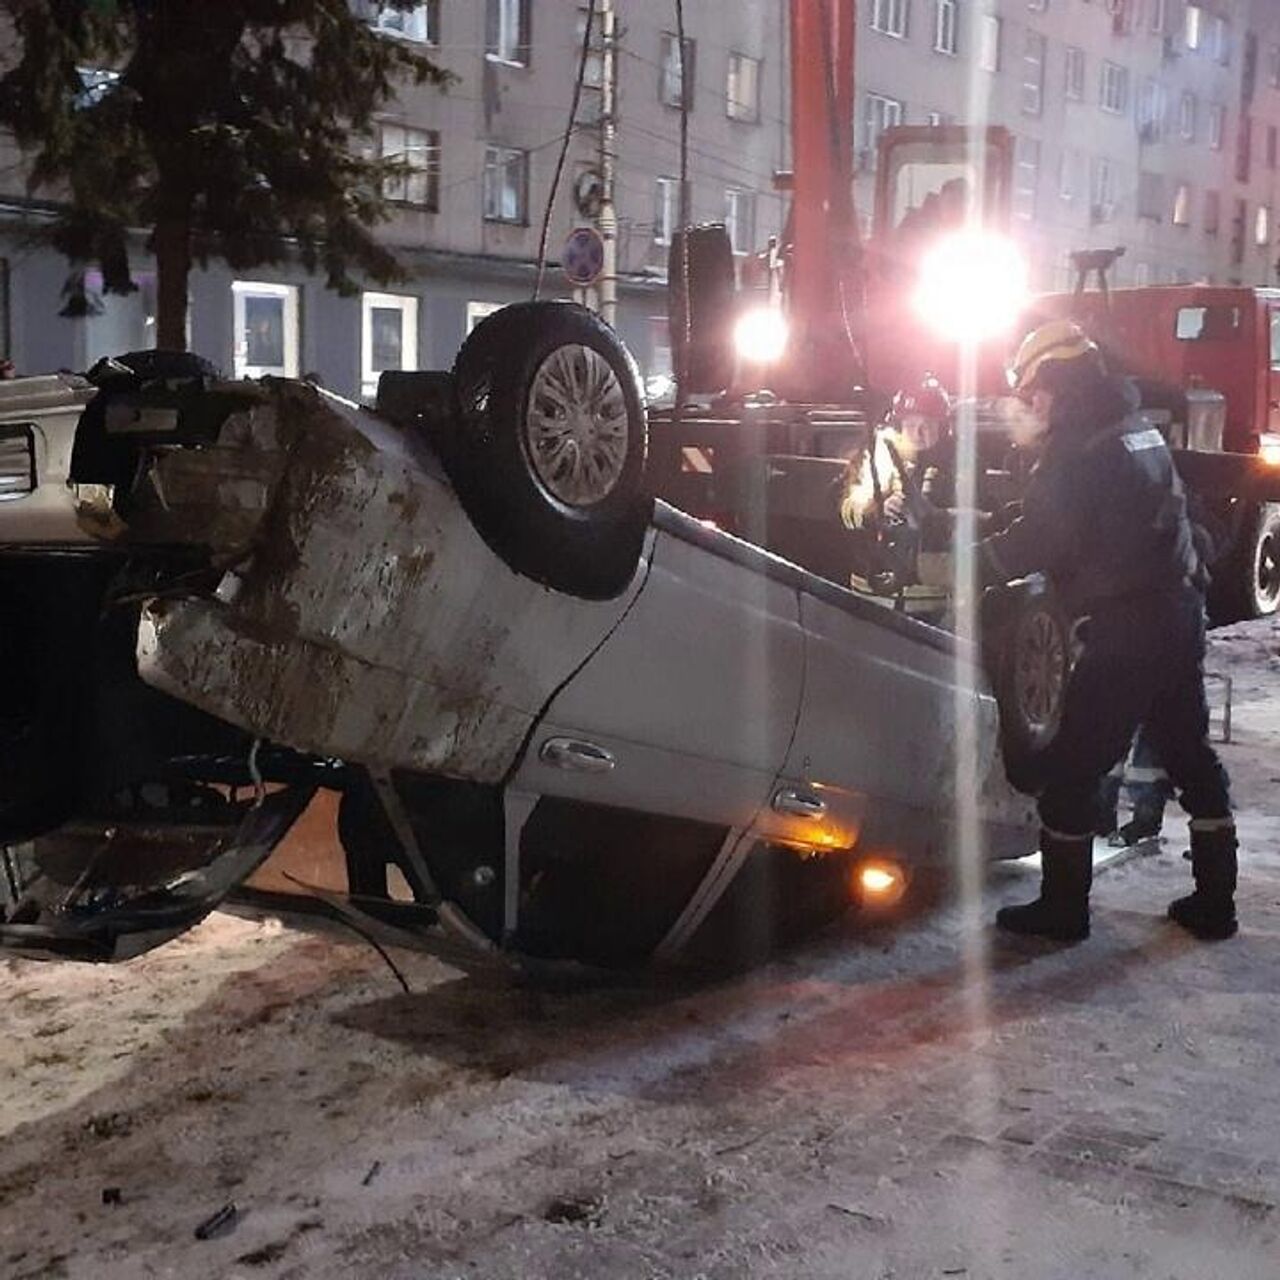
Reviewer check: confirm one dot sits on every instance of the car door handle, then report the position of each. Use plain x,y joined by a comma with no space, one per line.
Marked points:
801,804
575,754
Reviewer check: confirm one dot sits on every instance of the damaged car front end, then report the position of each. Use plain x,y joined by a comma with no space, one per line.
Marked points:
125,815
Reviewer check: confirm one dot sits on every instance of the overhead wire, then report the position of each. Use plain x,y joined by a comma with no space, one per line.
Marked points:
701,86
763,178
570,126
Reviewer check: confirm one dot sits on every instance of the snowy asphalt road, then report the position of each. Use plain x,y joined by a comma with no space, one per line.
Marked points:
917,1103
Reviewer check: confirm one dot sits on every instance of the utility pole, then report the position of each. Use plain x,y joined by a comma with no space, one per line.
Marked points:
608,219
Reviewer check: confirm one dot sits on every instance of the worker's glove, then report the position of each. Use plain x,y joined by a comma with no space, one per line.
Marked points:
894,508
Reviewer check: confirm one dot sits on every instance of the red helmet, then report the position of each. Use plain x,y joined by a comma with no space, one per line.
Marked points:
929,400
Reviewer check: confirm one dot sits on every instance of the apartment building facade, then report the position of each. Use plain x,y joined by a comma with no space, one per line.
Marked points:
1150,124
1146,124
466,220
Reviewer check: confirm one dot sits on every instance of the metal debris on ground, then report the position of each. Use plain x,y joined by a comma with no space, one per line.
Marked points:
218,1223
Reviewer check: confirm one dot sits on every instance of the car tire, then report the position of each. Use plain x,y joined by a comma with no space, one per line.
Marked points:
1254,572
547,451
1028,648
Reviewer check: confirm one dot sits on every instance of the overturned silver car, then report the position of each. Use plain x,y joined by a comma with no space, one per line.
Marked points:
577,720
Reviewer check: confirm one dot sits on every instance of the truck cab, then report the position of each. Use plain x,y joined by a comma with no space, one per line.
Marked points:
1224,339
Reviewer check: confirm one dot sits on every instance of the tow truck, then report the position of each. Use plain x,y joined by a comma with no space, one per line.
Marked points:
778,388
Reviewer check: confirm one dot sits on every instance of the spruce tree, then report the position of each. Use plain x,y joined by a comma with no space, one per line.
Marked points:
236,129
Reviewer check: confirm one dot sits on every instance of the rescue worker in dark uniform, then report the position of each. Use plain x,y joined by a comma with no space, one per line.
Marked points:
1105,517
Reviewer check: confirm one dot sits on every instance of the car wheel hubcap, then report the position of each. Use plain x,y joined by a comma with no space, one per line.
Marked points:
576,426
1040,672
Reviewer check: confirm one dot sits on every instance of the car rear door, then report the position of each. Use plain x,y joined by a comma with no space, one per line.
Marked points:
872,764
688,708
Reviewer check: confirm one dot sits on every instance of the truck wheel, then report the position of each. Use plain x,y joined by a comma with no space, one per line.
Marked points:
548,451
1027,643
1260,569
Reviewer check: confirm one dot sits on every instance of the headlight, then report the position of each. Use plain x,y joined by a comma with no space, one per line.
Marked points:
1269,448
973,285
760,335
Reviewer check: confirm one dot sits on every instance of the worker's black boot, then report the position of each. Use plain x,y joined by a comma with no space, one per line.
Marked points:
1061,912
1210,912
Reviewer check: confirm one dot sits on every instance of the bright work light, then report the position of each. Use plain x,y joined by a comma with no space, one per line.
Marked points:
973,285
760,335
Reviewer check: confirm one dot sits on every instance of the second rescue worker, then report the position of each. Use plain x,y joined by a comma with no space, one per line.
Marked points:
1105,517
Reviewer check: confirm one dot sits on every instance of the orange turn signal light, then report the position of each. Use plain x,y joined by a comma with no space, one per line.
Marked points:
878,882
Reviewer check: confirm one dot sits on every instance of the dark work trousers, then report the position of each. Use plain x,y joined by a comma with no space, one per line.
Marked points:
1142,664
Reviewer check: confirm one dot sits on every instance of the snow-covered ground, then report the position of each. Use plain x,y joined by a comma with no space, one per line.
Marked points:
927,1101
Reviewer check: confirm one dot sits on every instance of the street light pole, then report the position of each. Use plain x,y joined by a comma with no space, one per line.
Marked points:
608,219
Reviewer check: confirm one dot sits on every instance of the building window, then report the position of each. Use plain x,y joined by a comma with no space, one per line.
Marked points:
1068,174
666,209
1262,226
1037,6
1244,148
1151,196
882,113
1212,212
1158,16
1194,29
945,25
672,88
477,311
1150,111
506,184
1075,73
1102,190
1187,116
935,119
266,329
1113,92
1219,42
507,31
1033,74
418,150
1182,205
388,337
740,219
1272,146
119,322
889,17
421,23
742,97
989,43
1273,66
1217,124
1026,177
